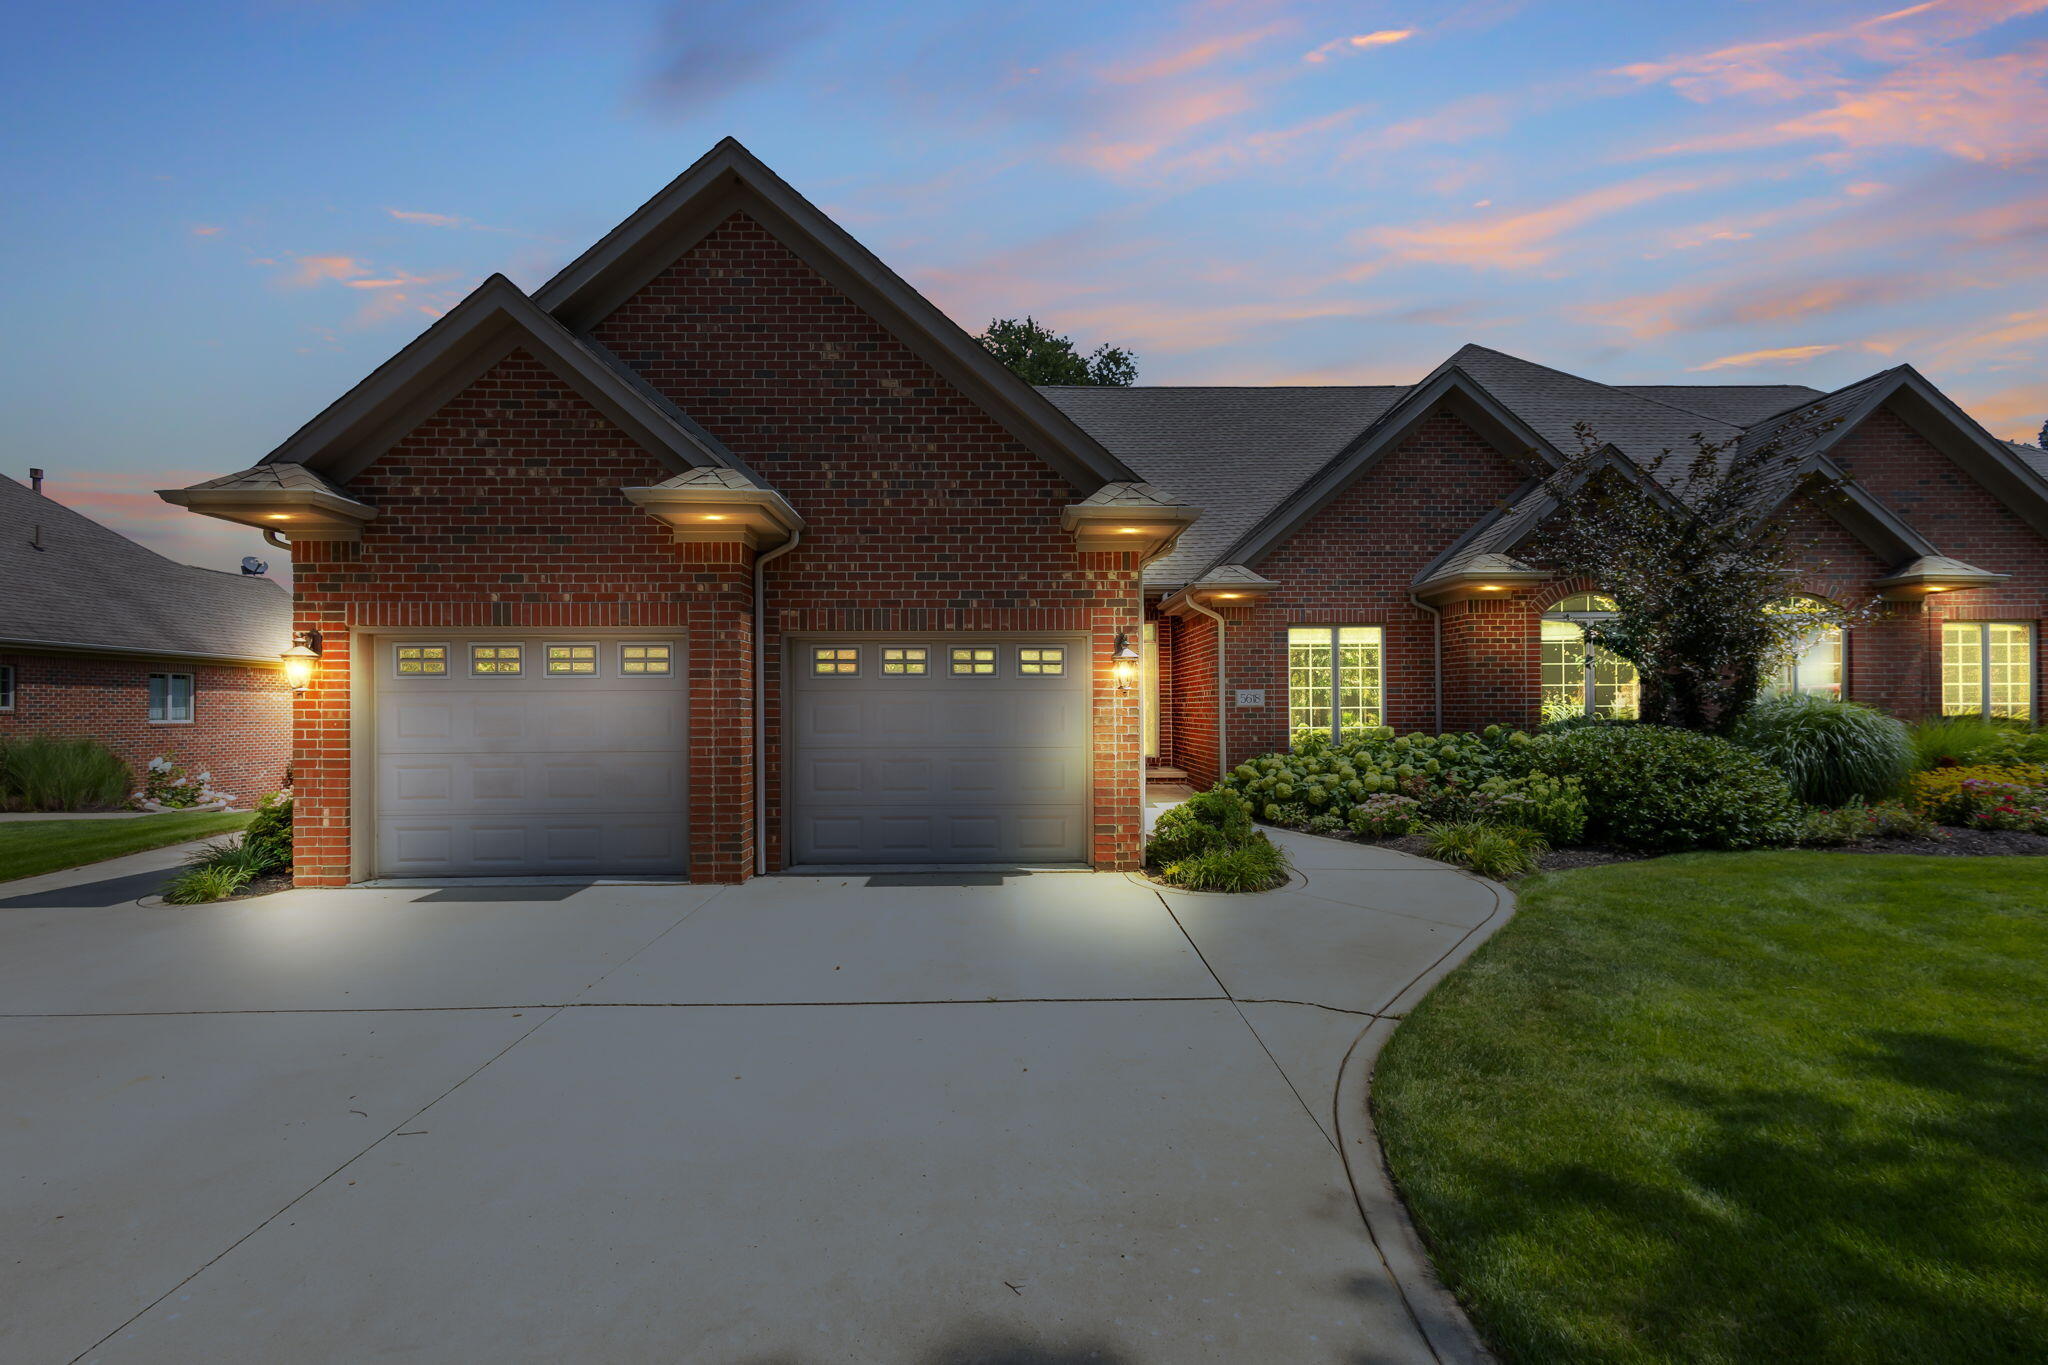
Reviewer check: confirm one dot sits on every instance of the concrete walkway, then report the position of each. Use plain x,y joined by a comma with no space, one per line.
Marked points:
1069,1117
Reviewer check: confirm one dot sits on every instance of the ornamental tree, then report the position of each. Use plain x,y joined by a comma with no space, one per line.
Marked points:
1038,355
1699,557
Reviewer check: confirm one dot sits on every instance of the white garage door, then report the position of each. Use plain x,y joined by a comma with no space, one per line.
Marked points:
945,749
530,755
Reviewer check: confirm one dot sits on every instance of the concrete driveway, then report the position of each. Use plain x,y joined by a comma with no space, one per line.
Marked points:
1059,1118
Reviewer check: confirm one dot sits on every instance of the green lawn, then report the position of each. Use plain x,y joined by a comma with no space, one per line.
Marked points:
30,847
1742,1107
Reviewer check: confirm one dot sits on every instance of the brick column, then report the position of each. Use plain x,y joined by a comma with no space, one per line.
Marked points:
1492,662
718,577
321,831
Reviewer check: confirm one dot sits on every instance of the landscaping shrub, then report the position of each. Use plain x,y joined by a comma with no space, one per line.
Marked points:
1653,787
1491,850
1831,751
167,786
1207,820
1255,865
1318,775
1554,807
271,831
1983,796
1385,816
1208,843
51,772
1856,822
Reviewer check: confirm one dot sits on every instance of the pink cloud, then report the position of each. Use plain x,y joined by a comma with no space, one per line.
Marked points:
308,271
1780,355
445,220
1359,42
1195,56
1514,241
206,230
2014,413
125,500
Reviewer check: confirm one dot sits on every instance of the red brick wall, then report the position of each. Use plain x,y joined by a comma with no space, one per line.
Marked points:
503,510
1896,663
923,514
240,716
1194,704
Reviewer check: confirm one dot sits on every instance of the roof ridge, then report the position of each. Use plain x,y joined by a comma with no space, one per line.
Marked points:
1830,393
1599,384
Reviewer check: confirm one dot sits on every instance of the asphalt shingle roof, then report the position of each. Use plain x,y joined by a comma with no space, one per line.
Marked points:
90,586
1744,404
1236,453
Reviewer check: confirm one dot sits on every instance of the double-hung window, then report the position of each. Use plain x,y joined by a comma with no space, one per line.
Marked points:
170,698
1333,680
1814,667
1987,669
6,687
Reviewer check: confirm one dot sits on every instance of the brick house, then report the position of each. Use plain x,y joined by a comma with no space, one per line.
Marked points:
103,638
724,551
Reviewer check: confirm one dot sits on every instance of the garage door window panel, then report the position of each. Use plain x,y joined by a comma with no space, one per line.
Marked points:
420,661
974,661
830,661
497,661
905,661
572,661
649,660
1042,661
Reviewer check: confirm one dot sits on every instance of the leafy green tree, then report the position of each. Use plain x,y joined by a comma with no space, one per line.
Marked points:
1038,355
1699,556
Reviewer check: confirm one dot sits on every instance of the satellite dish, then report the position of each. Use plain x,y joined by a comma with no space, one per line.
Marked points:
252,565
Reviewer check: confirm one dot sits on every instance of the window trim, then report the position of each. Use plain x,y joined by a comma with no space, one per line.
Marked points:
668,662
474,645
923,662
854,672
1983,628
447,651
1334,644
191,698
596,648
6,688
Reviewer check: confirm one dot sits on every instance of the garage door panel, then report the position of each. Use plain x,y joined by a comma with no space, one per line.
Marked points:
531,774
940,767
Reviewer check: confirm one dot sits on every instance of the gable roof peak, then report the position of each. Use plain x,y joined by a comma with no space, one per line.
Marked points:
729,179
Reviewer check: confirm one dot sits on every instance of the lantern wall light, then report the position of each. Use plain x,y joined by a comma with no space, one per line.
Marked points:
1124,660
302,660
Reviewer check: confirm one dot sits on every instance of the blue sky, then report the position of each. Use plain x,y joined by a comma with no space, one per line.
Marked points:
220,216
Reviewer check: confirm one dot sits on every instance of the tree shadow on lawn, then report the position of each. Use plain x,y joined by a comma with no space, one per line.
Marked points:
1794,1226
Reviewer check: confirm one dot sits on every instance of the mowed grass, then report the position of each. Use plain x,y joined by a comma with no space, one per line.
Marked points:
31,847
1742,1107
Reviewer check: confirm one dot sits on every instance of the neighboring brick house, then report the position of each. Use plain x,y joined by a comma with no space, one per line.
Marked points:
104,638
725,551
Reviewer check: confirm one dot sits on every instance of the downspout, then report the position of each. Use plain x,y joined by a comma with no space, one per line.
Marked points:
1436,618
761,697
1222,743
273,537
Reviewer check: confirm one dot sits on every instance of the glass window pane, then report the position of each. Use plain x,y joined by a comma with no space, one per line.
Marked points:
422,660
645,660
1148,683
2008,669
1310,675
1563,671
1042,660
498,660
1962,668
1617,692
908,661
572,660
973,660
832,661
1358,680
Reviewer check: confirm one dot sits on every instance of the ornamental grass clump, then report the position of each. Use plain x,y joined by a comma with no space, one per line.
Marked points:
53,772
1491,850
226,866
1831,751
1208,843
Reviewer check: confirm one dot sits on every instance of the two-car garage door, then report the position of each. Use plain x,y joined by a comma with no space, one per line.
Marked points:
530,755
518,754
938,749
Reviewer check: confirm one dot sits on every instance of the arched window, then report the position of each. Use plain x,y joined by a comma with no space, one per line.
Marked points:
1814,667
1579,680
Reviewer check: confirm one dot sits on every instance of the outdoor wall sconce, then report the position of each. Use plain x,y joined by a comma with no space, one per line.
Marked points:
1125,661
302,659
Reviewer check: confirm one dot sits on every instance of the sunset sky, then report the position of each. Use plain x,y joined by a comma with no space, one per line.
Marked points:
221,216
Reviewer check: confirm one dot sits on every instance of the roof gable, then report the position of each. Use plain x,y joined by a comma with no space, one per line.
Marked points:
729,179
495,320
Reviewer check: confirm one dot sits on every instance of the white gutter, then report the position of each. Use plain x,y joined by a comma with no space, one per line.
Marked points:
1436,616
796,536
129,652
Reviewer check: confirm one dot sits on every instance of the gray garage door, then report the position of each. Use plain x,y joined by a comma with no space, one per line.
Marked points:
530,755
946,749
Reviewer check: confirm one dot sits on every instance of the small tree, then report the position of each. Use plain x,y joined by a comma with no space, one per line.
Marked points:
1698,559
2041,437
1038,355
